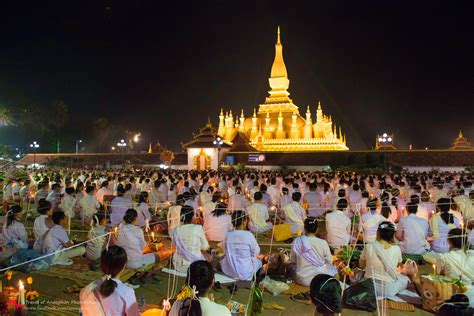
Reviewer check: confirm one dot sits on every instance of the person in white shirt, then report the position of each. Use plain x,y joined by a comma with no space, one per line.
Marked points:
464,205
14,232
310,255
295,214
119,206
103,191
189,239
258,215
54,195
200,280
209,206
242,257
217,223
42,224
174,214
459,261
143,209
96,236
238,201
427,204
131,238
413,231
57,241
380,260
370,221
156,196
42,193
108,294
338,226
355,197
422,211
68,205
314,201
89,204
273,191
25,191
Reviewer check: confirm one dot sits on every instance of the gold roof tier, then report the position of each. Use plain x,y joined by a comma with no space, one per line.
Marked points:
278,125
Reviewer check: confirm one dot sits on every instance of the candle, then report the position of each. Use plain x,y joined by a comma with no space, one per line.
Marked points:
21,297
434,269
29,280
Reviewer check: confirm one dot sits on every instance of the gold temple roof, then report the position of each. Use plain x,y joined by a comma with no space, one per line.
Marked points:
278,125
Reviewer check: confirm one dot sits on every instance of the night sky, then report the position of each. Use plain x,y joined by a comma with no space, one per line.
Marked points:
162,68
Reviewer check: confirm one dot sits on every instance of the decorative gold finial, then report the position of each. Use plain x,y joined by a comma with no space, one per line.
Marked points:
242,113
254,113
278,35
150,151
319,105
222,112
460,134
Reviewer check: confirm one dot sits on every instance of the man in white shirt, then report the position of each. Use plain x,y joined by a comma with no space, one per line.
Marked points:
314,201
412,232
258,215
54,196
338,226
89,204
273,191
295,214
119,206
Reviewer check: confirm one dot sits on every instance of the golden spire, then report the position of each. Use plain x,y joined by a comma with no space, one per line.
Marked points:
278,67
267,130
460,134
254,131
340,133
242,113
280,132
319,106
308,116
278,35
221,128
150,151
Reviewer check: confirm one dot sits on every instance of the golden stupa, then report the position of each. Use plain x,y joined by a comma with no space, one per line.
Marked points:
278,125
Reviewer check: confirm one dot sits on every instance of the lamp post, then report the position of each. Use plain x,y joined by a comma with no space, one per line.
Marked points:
218,143
384,141
77,145
122,144
34,146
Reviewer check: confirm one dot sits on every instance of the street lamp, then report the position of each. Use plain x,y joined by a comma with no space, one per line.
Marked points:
77,145
218,142
122,144
34,146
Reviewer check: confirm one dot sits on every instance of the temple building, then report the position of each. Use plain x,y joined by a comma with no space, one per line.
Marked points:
461,143
277,125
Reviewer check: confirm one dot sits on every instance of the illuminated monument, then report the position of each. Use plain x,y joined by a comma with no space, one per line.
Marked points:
278,125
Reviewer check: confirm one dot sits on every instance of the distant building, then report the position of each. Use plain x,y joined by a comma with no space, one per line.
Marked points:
461,143
202,152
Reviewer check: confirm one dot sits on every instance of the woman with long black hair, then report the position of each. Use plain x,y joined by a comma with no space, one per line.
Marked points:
196,298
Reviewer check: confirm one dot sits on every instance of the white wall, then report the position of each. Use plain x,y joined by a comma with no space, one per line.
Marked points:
428,169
